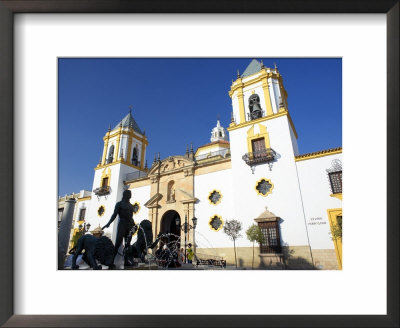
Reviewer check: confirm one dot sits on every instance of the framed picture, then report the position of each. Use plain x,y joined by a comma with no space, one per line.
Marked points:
192,298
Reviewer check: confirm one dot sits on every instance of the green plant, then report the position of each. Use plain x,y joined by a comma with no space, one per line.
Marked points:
232,229
254,234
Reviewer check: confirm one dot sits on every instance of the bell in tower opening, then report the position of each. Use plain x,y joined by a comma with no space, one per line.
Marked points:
254,106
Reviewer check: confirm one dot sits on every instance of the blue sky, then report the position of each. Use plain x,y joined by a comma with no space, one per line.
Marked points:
177,101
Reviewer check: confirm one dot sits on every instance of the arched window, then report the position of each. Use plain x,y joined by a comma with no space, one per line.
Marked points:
171,191
135,156
110,154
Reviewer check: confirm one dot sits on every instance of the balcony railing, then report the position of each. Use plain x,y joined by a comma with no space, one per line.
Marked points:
102,191
258,157
220,153
135,175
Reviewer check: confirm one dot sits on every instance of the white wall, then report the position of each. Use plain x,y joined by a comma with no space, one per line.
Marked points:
141,195
315,189
204,210
285,200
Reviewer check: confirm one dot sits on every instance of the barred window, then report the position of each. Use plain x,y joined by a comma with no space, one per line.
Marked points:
271,239
335,179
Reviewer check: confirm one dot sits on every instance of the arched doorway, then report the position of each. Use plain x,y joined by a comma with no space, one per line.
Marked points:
170,229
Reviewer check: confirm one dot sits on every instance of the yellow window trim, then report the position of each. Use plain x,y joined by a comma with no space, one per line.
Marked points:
219,200
270,190
219,217
105,174
136,203
103,211
338,195
332,214
252,136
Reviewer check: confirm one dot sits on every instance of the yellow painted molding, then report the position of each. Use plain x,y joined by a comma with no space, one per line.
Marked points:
131,134
103,159
240,98
338,195
251,79
117,150
322,153
205,147
259,120
270,190
209,195
142,156
252,136
332,216
115,163
211,218
128,155
84,198
267,97
105,174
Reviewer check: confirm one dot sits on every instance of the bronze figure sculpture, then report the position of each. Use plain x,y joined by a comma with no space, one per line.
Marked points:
126,223
96,248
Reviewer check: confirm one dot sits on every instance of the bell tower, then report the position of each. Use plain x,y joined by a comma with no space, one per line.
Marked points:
123,156
257,93
263,144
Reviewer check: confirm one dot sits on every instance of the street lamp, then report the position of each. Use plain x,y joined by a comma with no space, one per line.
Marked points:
186,227
84,228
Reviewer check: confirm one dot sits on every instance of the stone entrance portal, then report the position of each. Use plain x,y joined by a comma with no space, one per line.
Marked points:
168,226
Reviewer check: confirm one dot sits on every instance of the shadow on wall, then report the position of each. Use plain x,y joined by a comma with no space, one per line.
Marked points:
292,262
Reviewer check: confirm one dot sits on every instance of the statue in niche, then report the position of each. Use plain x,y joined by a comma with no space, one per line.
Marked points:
172,197
254,106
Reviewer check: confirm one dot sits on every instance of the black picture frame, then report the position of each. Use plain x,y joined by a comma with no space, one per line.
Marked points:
10,7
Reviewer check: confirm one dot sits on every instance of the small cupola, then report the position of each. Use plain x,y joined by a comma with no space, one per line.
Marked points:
218,133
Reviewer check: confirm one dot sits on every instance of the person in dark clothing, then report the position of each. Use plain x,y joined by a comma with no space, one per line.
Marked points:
126,225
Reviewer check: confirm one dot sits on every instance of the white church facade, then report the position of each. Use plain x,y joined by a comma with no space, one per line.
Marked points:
255,176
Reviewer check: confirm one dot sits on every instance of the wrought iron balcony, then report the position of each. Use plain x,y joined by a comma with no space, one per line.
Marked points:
258,157
102,191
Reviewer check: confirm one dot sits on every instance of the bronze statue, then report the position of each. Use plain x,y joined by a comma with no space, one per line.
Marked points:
144,241
96,248
126,223
254,106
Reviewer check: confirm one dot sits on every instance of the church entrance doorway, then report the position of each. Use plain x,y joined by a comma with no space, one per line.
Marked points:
169,228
